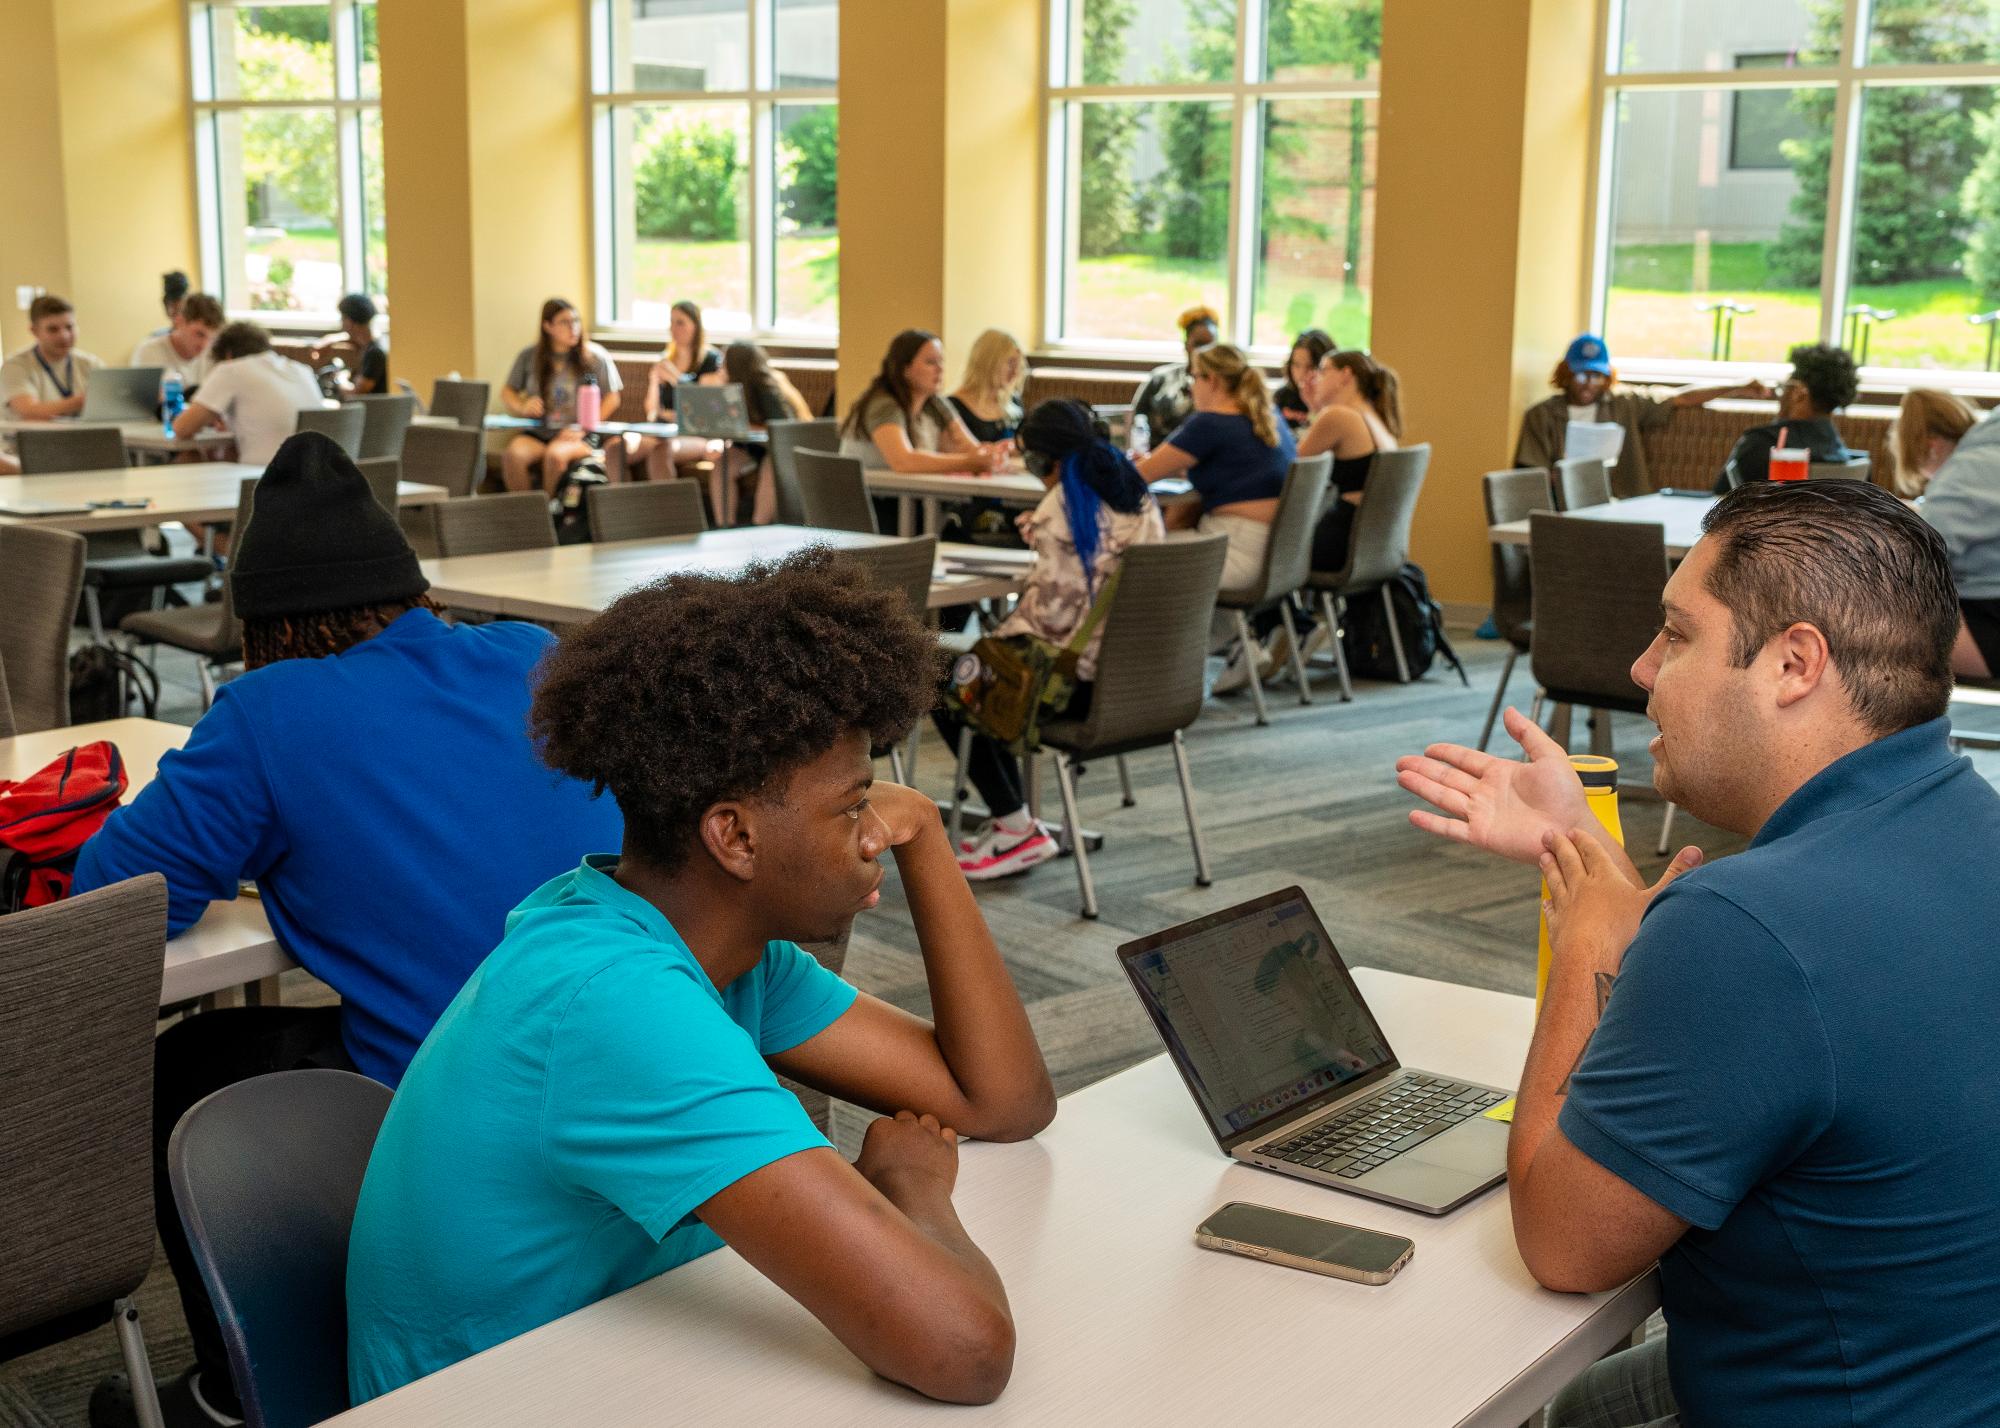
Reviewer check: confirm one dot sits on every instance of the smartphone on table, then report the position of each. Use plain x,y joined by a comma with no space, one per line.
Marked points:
1305,1242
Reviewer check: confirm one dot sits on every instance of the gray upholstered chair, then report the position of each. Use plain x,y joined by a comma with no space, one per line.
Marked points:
1512,496
385,418
1149,680
45,451
1839,470
451,457
211,633
1596,608
79,1001
905,566
1287,565
645,510
833,492
787,437
1583,482
41,575
479,525
1377,550
383,474
464,402
343,424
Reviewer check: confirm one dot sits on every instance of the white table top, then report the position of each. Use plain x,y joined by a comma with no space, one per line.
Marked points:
1016,488
1121,1320
233,942
575,582
139,435
1680,515
198,491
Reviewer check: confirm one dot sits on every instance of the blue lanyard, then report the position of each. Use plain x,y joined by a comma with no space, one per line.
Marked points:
69,367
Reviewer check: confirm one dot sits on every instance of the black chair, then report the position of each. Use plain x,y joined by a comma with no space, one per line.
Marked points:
266,1174
1512,496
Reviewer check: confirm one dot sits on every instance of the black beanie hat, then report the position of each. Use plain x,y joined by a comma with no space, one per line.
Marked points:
318,540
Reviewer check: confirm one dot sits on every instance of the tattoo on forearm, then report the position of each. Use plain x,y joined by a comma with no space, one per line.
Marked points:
1604,984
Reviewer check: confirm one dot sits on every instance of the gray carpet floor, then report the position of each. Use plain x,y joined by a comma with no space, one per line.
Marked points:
1311,799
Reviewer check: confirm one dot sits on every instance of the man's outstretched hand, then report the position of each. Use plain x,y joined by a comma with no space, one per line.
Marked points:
1502,805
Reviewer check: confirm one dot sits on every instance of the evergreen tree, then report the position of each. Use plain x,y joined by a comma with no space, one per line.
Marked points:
1109,220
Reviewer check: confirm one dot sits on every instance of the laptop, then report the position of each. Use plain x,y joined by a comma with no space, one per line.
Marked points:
1291,1071
716,413
122,394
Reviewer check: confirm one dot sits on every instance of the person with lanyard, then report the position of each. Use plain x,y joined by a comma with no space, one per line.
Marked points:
1096,508
49,378
1166,398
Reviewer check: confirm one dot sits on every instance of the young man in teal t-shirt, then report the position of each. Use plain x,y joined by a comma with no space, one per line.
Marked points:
599,1104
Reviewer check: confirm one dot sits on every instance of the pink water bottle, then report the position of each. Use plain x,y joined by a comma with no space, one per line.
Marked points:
589,403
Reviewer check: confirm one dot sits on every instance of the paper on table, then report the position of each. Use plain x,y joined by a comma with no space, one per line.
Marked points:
1504,1112
1599,440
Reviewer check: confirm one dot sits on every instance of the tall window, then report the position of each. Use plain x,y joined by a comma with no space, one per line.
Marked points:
1784,171
1211,152
288,153
716,140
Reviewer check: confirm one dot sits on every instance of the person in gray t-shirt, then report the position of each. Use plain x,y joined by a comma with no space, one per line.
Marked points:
543,384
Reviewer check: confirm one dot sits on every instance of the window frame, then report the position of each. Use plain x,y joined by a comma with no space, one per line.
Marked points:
347,107
762,100
1850,77
1062,22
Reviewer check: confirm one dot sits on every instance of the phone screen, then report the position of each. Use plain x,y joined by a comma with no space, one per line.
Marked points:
1307,1238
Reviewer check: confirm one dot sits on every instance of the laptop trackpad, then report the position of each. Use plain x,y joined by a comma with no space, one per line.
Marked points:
1446,1169
1477,1147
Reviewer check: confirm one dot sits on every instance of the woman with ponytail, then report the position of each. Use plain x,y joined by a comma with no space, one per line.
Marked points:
1096,508
1357,412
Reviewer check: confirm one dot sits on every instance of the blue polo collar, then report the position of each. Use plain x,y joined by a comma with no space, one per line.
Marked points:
1865,776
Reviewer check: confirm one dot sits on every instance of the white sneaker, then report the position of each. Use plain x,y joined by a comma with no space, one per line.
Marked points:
1314,643
1236,677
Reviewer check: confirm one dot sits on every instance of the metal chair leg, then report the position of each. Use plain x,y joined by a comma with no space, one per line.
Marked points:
1333,609
1666,832
1066,781
959,791
1535,709
1559,725
1395,637
1031,775
896,763
138,1368
207,683
1499,698
96,609
1201,876
910,754
1125,782
1248,648
1298,660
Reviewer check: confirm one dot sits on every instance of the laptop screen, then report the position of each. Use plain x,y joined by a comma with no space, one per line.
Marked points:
1257,1009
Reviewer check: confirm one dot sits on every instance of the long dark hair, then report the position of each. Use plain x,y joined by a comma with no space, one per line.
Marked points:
903,350
545,355
1378,384
692,313
745,363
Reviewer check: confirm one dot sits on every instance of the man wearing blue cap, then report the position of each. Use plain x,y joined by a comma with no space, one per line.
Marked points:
1586,390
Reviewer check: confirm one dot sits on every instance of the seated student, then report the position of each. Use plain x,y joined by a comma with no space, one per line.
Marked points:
1962,504
599,1105
1097,507
49,377
183,349
1929,425
372,773
542,384
988,399
1822,381
1587,390
768,397
254,392
1358,411
1166,397
1294,399
1788,1102
686,358
900,422
174,288
371,367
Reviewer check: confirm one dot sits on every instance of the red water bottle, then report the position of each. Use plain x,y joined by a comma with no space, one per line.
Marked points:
589,403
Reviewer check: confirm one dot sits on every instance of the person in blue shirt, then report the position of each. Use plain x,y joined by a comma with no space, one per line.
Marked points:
372,773
600,1104
1789,1102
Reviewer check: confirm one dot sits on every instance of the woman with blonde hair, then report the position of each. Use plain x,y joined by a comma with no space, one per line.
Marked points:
988,396
1924,434
1166,397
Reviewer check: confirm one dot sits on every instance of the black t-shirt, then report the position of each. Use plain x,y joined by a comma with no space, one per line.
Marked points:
984,430
711,361
375,366
767,404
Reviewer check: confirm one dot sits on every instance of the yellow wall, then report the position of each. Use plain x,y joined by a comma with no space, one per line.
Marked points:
34,226
1479,226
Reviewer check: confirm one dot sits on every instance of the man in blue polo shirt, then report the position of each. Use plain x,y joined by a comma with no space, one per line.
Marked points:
1790,1102
372,773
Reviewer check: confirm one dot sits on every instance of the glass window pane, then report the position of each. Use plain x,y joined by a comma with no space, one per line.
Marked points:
1926,226
1322,39
680,44
1153,41
273,52
1674,35
1315,238
1152,227
680,202
281,245
368,50
1934,32
1689,232
807,246
374,227
807,44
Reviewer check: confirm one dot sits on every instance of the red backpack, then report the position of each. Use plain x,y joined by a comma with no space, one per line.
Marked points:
46,818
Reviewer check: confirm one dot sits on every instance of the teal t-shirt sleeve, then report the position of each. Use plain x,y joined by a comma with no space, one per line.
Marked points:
1711,1069
657,1100
801,998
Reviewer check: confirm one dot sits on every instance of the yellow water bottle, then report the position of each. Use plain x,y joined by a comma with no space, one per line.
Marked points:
1600,788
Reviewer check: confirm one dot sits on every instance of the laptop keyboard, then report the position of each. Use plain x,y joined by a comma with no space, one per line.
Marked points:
1352,1142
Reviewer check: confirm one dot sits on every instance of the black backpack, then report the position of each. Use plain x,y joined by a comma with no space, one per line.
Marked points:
1419,620
104,683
